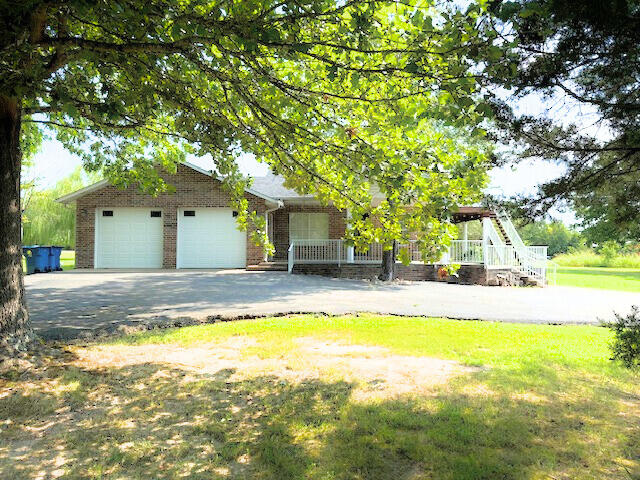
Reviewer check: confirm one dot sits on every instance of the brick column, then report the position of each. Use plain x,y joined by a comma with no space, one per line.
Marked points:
85,236
170,236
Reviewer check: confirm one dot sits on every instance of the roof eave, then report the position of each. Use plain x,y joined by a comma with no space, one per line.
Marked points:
71,197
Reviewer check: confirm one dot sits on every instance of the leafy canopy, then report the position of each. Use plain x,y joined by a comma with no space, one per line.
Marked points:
351,100
583,57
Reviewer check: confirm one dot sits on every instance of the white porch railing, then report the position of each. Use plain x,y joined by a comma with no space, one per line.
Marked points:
531,261
317,251
465,251
338,252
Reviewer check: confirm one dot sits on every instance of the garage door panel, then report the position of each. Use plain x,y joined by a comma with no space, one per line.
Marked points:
210,239
130,238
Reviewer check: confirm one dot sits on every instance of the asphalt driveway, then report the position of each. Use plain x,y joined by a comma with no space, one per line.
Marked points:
64,304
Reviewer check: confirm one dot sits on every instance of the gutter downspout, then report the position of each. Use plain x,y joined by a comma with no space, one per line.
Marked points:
266,222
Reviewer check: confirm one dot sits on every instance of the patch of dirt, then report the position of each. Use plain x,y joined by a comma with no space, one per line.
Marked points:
381,370
375,369
315,347
205,358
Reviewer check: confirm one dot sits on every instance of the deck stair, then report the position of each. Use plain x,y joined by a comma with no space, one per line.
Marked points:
528,264
502,230
268,267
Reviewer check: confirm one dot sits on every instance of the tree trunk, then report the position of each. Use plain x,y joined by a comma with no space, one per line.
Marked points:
388,263
15,331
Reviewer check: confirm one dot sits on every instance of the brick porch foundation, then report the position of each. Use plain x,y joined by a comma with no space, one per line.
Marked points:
467,274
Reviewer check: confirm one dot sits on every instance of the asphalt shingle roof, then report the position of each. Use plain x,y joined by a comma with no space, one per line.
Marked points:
273,186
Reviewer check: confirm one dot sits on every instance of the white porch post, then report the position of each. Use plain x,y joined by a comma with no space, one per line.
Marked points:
465,237
350,256
266,231
486,225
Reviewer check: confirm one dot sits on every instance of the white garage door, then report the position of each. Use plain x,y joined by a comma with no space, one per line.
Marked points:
209,238
128,238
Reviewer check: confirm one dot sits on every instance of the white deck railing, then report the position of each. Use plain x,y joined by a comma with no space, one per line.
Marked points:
465,251
318,251
531,261
338,252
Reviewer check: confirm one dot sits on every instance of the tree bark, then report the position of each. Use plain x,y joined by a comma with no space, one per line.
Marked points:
388,263
15,330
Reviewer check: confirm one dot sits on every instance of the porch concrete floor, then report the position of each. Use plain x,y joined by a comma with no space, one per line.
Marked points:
64,304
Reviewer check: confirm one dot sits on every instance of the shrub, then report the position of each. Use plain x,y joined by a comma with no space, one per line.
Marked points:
609,251
626,341
555,235
579,258
588,258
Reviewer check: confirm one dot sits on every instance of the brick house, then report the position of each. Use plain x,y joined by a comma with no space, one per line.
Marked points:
195,227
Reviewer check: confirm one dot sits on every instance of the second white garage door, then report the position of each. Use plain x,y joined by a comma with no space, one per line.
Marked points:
209,238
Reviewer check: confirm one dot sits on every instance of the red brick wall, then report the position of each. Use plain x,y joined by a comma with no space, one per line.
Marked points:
193,189
468,274
280,225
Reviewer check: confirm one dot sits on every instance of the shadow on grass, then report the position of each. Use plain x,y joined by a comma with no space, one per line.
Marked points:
155,421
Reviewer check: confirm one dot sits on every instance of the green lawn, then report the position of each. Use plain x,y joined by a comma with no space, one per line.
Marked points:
625,279
68,259
329,398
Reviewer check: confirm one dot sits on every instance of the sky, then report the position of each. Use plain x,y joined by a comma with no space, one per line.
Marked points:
54,162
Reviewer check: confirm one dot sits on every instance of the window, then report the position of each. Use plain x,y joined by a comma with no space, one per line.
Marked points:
308,226
107,213
189,213
156,213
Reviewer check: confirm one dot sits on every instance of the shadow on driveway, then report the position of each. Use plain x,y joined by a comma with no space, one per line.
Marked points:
64,304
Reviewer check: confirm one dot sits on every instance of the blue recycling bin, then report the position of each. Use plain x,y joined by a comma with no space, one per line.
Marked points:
54,258
42,258
37,258
27,251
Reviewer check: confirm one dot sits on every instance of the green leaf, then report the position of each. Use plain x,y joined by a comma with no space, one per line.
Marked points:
332,72
417,19
495,53
70,109
355,80
411,67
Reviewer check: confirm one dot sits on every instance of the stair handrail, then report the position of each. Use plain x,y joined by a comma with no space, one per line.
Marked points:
510,229
496,242
525,257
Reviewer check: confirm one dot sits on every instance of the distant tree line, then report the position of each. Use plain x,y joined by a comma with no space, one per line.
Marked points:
46,222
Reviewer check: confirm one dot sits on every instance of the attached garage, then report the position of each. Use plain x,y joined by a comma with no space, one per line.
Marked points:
209,238
128,238
190,225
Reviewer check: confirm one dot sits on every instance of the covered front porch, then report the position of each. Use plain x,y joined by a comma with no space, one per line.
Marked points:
308,239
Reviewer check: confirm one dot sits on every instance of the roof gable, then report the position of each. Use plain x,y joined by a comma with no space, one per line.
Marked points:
73,196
